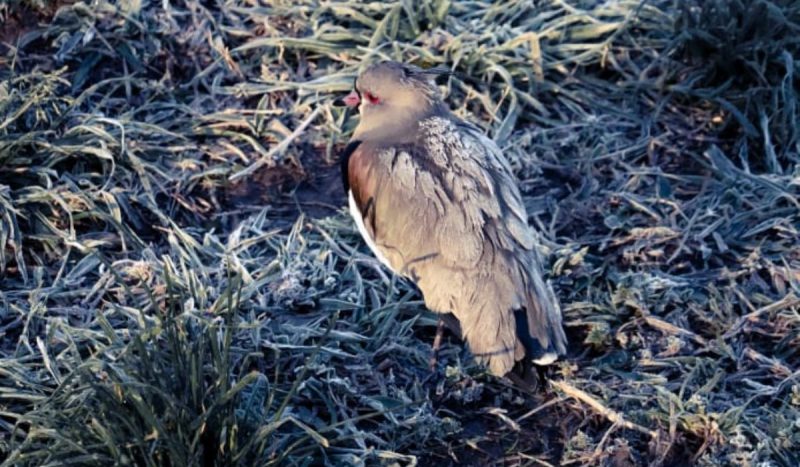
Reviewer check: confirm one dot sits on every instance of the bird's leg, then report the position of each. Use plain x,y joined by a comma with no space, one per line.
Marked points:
525,379
437,342
542,374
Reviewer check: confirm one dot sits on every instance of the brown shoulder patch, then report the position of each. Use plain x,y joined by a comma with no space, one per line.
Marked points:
362,176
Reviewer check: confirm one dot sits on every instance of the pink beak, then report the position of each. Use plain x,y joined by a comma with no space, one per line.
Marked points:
352,99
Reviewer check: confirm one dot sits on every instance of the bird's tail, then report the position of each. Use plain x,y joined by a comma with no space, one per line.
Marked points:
539,326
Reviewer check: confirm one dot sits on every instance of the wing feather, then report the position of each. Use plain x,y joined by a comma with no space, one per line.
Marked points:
447,213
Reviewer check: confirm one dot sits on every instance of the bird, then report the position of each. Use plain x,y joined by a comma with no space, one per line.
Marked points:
436,202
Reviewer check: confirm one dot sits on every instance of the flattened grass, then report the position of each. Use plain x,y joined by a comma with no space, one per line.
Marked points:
151,314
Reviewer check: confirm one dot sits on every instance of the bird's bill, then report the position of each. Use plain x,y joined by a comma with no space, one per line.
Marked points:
350,100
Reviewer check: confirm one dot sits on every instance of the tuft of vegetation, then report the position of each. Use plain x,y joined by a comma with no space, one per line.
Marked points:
179,284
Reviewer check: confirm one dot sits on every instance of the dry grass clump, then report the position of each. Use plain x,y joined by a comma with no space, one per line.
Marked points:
179,286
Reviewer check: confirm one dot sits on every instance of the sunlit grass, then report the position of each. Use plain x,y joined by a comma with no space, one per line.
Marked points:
156,309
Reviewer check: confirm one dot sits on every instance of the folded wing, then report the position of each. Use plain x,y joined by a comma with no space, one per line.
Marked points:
446,213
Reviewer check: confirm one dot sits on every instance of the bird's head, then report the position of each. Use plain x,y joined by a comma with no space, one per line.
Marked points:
391,98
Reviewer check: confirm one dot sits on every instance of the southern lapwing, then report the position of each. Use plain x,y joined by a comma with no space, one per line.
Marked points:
437,202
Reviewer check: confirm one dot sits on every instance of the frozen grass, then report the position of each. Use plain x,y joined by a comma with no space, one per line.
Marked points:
168,298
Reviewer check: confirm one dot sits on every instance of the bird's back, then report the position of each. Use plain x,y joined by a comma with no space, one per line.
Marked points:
445,211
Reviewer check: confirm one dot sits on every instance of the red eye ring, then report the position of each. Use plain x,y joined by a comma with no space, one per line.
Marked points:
372,98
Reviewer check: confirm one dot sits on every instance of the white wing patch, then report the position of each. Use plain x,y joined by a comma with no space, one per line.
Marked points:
363,230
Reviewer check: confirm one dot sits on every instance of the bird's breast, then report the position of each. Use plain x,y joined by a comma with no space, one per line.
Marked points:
362,229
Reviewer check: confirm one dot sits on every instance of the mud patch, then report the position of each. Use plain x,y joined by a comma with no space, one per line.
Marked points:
17,19
312,188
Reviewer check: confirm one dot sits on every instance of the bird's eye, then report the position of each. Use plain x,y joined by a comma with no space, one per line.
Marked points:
372,98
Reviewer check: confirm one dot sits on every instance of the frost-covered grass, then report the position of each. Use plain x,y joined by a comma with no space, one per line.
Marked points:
180,286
